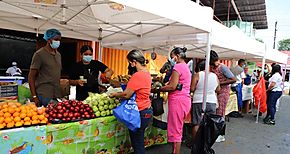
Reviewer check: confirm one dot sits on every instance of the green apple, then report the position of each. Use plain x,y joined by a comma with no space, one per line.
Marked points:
108,112
95,103
95,108
101,108
106,107
111,111
103,113
111,106
112,101
98,114
101,103
106,101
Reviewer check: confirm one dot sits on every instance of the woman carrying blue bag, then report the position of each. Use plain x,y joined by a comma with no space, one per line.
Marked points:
140,84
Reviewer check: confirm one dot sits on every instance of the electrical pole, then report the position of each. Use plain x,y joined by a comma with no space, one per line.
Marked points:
274,46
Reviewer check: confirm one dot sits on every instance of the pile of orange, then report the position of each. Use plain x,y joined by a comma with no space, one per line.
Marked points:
14,114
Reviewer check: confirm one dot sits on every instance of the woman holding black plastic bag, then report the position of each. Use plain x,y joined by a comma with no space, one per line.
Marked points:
140,83
179,102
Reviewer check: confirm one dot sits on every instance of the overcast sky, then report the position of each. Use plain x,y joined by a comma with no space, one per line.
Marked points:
277,10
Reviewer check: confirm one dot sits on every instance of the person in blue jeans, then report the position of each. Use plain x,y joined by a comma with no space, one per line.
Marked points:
274,92
139,83
239,73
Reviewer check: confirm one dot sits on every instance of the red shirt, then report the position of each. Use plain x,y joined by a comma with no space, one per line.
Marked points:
140,83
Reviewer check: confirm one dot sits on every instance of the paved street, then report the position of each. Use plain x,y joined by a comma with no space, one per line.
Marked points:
244,136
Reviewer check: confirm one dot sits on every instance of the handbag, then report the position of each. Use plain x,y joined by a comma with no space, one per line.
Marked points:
157,105
128,113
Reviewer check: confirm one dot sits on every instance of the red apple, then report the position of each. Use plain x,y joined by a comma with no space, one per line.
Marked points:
68,119
50,119
65,114
93,116
70,115
82,110
54,115
72,109
77,108
74,104
58,107
61,111
86,113
73,119
88,116
59,103
83,116
59,116
63,119
86,105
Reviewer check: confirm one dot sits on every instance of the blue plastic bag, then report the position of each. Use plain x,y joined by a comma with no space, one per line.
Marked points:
128,113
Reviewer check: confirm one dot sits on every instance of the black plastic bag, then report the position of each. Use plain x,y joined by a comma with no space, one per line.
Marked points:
159,124
157,105
210,128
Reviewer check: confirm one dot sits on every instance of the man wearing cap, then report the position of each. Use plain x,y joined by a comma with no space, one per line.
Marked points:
14,70
45,70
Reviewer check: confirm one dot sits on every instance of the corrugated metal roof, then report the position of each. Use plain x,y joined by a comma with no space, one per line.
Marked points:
250,10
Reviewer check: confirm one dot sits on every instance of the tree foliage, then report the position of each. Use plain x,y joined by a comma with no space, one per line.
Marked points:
284,45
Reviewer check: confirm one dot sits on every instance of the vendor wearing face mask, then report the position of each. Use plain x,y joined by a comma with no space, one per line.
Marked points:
45,70
84,74
167,68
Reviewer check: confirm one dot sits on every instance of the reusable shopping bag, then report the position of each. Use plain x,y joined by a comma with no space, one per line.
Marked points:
128,113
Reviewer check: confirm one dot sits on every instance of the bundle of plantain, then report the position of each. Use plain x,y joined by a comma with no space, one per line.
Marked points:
116,81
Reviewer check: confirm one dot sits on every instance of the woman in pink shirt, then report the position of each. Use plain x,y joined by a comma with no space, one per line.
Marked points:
179,102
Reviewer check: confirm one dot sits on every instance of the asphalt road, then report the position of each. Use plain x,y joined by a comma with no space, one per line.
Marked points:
244,136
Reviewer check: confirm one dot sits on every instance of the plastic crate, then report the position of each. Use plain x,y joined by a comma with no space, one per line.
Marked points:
246,27
9,90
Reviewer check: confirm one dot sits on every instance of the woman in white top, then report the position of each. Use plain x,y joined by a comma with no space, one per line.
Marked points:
197,85
274,92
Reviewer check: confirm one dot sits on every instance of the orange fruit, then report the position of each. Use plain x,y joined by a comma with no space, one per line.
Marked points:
8,120
29,114
35,117
17,110
26,119
41,117
34,122
43,121
16,114
34,113
40,111
18,104
1,120
5,110
17,119
18,124
27,123
1,114
46,115
5,106
11,110
10,125
7,115
2,126
22,115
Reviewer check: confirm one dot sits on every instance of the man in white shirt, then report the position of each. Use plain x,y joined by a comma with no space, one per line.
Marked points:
239,73
14,70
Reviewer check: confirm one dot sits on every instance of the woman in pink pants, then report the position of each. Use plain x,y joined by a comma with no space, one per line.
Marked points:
179,102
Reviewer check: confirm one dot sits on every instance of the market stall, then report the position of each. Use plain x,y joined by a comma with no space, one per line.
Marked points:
86,20
89,136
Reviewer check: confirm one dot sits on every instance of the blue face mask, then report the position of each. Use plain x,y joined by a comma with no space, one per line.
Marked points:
172,62
55,44
87,58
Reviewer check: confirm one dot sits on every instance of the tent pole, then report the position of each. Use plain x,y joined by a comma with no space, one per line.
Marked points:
262,75
205,86
100,53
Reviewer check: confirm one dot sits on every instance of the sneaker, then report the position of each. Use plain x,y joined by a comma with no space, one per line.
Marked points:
266,119
220,138
270,122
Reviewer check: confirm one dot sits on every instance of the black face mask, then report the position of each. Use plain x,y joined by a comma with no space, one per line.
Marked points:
132,70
